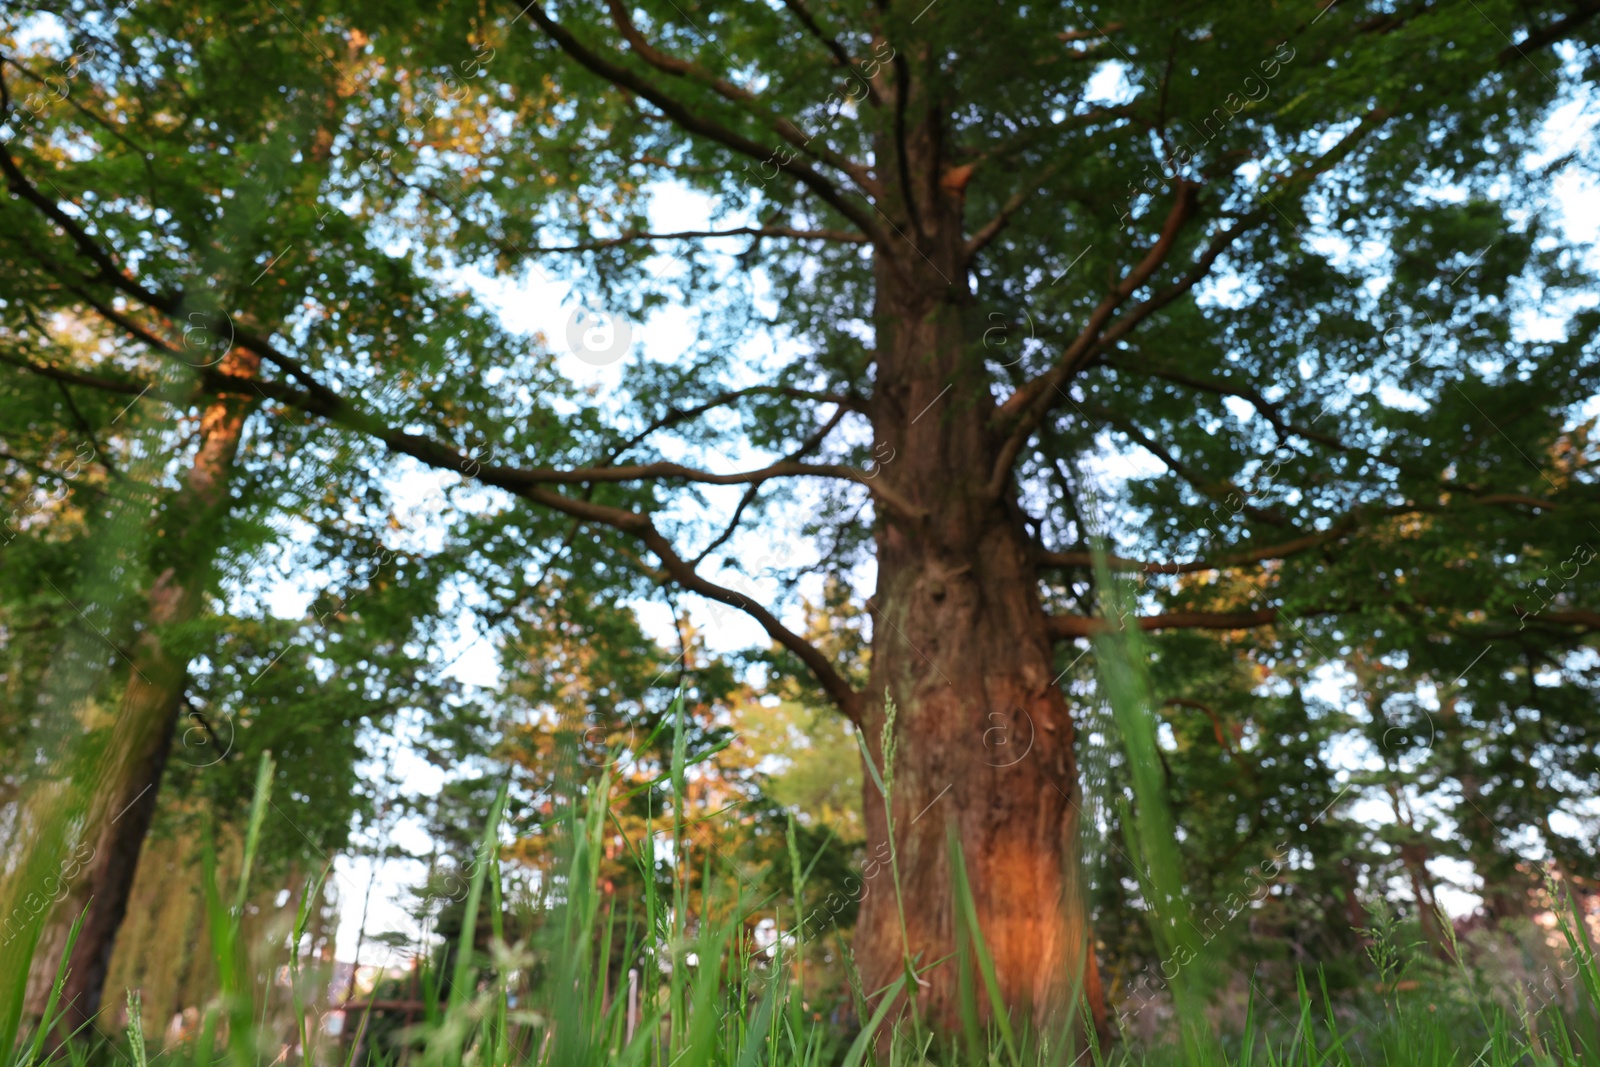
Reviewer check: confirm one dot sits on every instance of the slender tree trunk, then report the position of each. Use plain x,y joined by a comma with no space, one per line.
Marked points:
130,774
984,739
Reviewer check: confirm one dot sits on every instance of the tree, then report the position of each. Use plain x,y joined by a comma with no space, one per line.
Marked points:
1000,240
154,588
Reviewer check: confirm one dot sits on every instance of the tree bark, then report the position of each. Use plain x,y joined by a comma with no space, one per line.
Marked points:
960,644
129,776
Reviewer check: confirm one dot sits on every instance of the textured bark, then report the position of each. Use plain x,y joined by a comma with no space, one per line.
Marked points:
961,644
128,780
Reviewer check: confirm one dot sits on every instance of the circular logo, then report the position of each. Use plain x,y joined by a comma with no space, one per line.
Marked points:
203,340
599,338
598,744
1397,739
207,743
1002,741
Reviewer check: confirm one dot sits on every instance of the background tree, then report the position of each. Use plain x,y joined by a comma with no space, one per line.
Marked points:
76,381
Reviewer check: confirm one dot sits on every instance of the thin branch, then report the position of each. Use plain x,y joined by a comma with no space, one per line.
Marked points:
833,683
806,446
840,56
1268,410
1210,713
1029,404
677,415
744,98
1176,466
991,229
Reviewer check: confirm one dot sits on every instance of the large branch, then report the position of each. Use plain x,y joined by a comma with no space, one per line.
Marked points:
442,456
833,683
640,525
335,409
1183,205
317,399
1066,627
846,236
109,385
1233,559
1582,13
667,471
678,112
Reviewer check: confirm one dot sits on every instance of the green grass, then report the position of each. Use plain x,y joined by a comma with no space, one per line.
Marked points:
709,996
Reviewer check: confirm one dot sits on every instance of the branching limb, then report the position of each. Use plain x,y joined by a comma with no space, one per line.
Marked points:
841,57
679,113
1266,408
1066,627
833,683
676,416
744,98
106,385
991,229
1027,407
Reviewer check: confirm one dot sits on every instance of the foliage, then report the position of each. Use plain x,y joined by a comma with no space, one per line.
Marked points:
1359,372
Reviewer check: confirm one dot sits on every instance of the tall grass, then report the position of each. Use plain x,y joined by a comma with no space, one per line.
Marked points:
711,993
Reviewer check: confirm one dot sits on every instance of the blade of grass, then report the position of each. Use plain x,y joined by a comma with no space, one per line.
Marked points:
969,912
863,1041
488,847
48,1019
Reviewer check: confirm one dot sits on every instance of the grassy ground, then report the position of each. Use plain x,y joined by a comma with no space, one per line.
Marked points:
710,994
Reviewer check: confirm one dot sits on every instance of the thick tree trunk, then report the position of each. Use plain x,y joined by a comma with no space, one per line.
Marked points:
129,776
984,738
